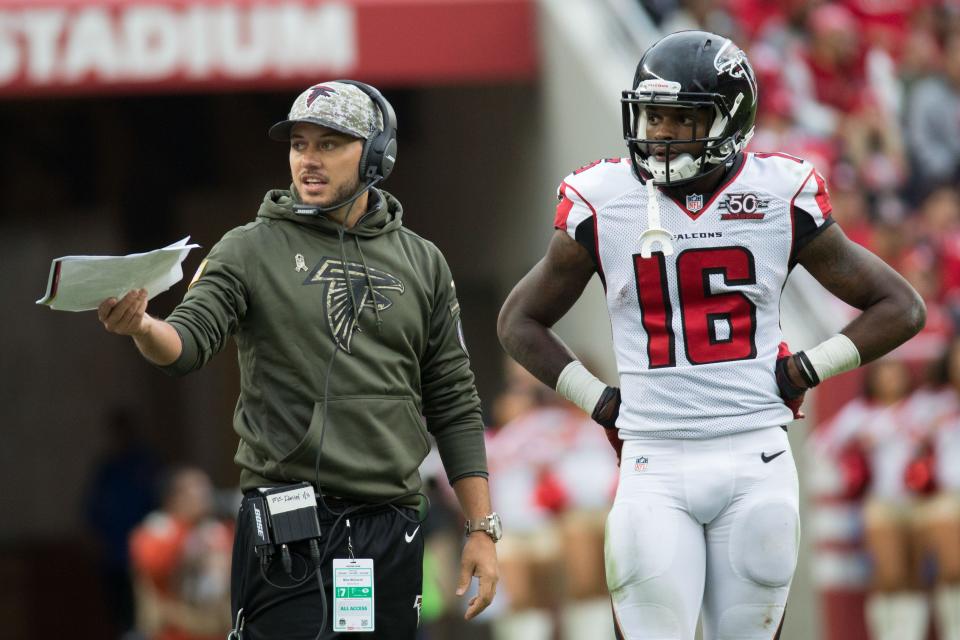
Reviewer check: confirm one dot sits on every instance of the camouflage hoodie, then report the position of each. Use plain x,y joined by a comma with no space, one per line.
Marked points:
337,365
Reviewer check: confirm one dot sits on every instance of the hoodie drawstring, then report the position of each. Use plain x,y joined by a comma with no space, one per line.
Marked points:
366,272
346,271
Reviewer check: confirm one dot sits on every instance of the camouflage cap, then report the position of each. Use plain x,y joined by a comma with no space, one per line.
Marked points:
335,105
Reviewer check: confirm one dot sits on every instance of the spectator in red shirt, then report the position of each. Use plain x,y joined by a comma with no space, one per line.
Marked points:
758,18
886,23
835,57
181,564
834,76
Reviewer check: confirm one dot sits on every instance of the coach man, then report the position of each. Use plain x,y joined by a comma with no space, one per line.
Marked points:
348,330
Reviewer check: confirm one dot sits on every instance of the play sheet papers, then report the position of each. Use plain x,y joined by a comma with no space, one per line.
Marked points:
81,283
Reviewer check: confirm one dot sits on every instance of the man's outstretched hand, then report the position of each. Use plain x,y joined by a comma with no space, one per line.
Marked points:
126,316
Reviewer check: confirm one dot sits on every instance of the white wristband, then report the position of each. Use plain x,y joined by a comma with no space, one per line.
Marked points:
833,356
580,387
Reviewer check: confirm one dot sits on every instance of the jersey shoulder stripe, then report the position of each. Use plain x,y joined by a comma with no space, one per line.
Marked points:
779,174
813,197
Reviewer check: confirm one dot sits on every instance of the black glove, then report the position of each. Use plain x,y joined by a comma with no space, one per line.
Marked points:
788,390
606,413
608,408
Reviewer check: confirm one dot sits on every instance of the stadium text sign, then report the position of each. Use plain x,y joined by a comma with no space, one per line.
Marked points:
146,43
88,46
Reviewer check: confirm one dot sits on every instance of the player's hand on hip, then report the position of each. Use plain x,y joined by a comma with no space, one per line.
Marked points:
126,316
608,408
791,392
606,413
479,558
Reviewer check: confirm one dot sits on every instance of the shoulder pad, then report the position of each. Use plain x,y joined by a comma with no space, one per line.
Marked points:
599,182
780,174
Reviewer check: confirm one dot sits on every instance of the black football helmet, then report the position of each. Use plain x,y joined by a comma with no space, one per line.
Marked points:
691,69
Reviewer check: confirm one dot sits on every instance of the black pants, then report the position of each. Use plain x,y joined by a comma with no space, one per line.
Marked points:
290,608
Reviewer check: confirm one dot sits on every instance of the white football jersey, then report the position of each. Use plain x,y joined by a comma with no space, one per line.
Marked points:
696,333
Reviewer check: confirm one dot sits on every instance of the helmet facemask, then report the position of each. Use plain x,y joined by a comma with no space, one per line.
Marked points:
718,146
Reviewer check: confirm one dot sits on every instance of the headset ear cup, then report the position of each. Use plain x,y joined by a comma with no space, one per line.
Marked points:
374,158
379,153
365,158
388,158
379,156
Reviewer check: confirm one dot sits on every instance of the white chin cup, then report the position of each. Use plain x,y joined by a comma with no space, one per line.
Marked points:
682,167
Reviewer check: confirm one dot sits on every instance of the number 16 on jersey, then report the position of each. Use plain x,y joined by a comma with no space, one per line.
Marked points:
717,327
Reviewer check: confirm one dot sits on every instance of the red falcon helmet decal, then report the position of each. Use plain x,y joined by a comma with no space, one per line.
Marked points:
317,91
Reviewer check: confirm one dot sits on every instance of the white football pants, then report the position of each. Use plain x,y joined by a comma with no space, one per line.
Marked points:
704,524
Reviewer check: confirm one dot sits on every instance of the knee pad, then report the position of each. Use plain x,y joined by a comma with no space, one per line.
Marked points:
764,543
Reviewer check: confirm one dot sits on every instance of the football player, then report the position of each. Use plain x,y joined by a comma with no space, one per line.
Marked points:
693,239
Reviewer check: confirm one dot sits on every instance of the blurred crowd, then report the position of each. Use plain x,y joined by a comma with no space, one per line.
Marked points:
553,476
891,452
163,538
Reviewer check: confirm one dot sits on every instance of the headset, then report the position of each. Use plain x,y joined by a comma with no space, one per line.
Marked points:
378,157
380,152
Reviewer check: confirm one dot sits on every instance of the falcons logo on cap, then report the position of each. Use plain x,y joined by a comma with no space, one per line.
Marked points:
337,300
319,90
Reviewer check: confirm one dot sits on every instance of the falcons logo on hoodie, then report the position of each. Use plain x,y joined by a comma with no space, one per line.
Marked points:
337,300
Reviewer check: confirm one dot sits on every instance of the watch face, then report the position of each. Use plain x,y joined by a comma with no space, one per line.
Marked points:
496,529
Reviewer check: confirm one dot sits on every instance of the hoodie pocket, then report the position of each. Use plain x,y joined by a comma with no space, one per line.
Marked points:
371,446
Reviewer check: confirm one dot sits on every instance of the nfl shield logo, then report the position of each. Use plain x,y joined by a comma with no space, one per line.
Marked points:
640,464
694,202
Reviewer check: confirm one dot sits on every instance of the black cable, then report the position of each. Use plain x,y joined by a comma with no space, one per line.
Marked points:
323,418
318,564
318,559
340,515
298,582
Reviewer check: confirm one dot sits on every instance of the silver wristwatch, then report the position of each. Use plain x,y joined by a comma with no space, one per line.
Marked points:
490,525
